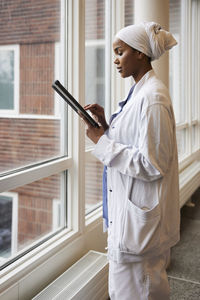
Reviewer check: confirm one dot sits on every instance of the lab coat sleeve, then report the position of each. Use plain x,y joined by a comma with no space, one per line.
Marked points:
151,159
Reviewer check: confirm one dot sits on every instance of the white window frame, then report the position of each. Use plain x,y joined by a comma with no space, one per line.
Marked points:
15,110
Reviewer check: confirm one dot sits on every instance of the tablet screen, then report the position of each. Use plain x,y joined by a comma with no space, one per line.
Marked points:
61,90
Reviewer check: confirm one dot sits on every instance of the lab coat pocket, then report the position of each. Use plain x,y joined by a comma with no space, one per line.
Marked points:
141,232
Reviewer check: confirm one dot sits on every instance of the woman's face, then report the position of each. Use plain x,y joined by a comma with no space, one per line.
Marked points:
126,59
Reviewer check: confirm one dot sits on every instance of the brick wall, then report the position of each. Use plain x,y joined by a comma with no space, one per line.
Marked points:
36,77
25,141
95,19
35,206
28,22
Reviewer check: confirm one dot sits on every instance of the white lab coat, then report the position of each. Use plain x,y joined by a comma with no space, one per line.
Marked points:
140,151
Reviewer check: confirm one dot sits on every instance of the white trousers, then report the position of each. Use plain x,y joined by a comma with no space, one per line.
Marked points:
145,280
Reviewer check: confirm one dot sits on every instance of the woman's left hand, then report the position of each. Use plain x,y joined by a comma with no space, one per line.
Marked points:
92,132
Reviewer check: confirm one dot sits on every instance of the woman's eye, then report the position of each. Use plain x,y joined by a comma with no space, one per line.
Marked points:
120,53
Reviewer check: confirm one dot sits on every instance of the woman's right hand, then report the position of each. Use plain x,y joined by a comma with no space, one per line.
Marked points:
98,114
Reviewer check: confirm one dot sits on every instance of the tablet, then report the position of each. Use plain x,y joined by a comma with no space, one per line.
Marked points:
61,90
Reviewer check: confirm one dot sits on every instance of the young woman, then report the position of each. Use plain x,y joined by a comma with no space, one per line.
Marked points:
139,152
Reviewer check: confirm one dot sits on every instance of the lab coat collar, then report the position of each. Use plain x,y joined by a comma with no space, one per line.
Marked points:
136,89
121,103
142,81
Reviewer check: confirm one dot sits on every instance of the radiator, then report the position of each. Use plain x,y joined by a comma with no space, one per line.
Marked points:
87,279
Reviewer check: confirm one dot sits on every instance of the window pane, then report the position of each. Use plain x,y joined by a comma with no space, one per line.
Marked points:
29,213
95,73
6,210
128,10
33,133
93,185
195,60
95,89
95,51
6,79
175,62
181,142
195,137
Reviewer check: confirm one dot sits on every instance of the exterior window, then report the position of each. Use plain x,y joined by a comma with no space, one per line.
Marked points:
95,72
128,12
36,123
195,108
184,69
96,90
176,68
31,214
98,63
33,138
9,79
175,61
8,225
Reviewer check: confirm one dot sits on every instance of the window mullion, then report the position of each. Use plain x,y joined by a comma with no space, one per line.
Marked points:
198,75
108,60
76,86
186,62
117,91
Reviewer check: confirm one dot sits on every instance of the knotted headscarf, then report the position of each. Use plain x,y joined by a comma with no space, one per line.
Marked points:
148,38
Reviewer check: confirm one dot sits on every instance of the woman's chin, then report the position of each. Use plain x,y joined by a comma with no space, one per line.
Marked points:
123,75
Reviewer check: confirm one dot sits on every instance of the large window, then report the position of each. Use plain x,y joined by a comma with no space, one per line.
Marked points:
33,134
98,65
97,89
28,213
184,74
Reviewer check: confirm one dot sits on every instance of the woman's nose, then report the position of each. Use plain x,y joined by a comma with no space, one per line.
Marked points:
116,61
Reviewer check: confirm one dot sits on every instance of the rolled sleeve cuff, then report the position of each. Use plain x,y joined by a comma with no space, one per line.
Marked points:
100,149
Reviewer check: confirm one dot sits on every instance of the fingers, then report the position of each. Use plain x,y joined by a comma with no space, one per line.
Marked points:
85,121
93,107
87,106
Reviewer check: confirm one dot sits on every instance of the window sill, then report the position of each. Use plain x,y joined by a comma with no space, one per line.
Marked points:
93,219
30,261
186,161
30,274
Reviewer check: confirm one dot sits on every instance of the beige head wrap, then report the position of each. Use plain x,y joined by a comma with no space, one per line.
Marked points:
148,38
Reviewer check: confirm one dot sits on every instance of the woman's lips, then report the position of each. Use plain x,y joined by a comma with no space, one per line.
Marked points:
119,70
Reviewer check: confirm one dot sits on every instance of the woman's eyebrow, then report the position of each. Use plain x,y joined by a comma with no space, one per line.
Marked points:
118,47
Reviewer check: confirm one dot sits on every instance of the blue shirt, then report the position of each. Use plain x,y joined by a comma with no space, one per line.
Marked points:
105,200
